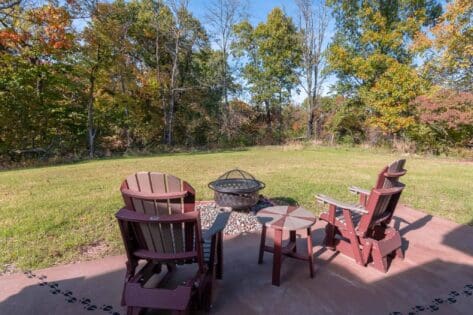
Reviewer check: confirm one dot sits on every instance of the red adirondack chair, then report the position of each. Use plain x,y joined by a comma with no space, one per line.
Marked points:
361,231
159,225
387,178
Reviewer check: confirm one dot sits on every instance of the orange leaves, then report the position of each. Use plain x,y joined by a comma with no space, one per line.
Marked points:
44,30
51,27
11,39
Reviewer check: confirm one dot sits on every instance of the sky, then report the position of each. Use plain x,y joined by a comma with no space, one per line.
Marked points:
258,10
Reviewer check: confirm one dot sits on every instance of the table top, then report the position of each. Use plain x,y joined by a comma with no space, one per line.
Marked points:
288,218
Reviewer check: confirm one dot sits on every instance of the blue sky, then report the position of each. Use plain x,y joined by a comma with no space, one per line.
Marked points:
258,9
257,12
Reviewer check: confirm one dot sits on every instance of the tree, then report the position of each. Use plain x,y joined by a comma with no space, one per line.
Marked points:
448,47
313,19
272,52
371,57
93,55
448,116
186,33
34,41
222,15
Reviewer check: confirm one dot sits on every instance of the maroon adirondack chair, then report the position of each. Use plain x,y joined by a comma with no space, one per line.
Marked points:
387,178
160,225
361,231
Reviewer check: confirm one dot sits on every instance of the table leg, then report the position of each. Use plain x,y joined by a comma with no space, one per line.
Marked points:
261,245
277,257
292,239
309,252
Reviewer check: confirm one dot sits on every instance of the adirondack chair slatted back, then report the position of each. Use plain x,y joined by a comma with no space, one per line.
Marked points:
143,192
175,238
381,205
389,176
158,183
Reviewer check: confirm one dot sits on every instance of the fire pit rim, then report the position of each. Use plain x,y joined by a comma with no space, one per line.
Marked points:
231,191
246,178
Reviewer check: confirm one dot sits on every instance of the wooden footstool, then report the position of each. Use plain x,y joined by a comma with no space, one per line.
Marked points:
285,218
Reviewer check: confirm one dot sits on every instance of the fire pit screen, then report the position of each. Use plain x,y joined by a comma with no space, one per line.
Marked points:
236,189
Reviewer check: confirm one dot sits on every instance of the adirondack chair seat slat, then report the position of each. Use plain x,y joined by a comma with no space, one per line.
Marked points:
339,218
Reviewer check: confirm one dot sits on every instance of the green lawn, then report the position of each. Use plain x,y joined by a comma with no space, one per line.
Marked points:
55,215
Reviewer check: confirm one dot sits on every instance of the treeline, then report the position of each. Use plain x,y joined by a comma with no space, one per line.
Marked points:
91,78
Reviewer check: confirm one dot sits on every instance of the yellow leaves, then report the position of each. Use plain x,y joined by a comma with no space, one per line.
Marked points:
421,42
339,57
453,36
390,96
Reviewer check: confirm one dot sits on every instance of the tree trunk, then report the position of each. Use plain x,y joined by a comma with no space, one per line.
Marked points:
127,127
280,122
225,116
310,124
268,114
170,118
90,116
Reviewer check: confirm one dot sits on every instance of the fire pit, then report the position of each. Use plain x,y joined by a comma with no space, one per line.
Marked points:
236,189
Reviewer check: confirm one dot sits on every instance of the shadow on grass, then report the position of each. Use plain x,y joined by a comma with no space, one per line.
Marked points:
284,201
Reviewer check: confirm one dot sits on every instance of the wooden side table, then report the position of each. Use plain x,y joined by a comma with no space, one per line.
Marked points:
285,218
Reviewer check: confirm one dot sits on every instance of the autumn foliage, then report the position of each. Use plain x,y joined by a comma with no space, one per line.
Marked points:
91,78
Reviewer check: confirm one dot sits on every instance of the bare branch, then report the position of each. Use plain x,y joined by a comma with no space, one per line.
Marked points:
8,4
313,22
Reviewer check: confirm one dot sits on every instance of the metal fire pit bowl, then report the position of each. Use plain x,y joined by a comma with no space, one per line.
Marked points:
236,189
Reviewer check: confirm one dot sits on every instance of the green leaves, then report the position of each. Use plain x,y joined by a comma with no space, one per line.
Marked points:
372,58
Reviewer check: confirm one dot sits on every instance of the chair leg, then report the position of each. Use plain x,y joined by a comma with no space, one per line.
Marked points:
329,240
219,271
399,253
310,252
293,239
262,245
208,295
379,262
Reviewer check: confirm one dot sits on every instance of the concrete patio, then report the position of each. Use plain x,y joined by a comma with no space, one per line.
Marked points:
436,276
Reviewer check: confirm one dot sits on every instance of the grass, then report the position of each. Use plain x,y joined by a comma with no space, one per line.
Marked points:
54,215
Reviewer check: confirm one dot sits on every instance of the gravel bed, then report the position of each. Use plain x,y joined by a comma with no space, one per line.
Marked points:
239,221
8,269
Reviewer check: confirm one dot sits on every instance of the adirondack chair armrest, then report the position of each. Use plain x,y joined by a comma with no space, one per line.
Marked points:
359,191
125,214
339,204
155,196
217,226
